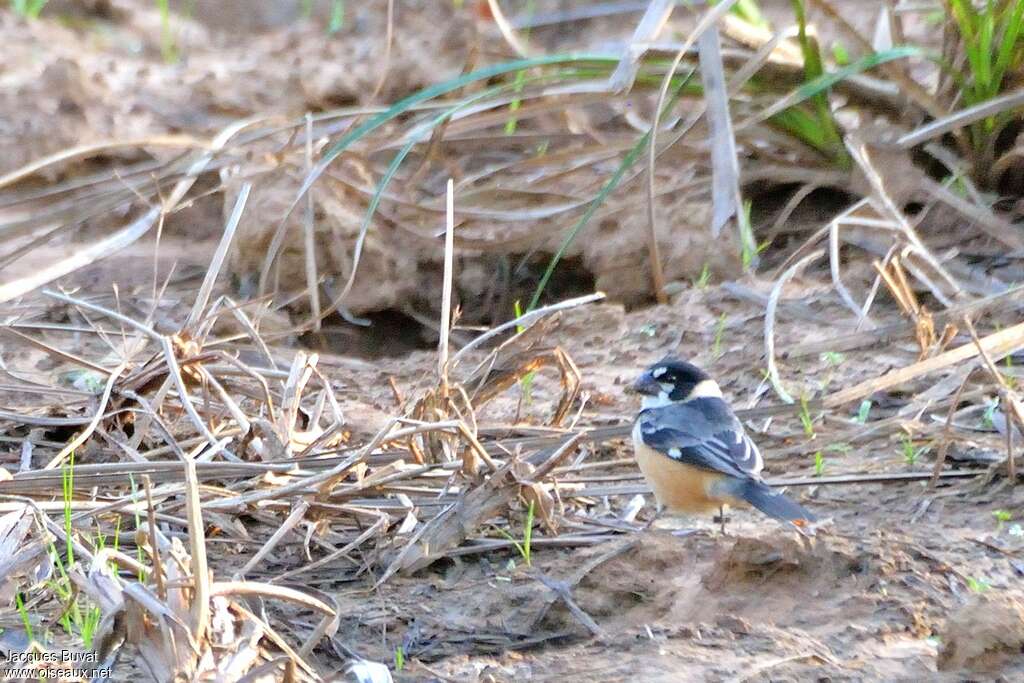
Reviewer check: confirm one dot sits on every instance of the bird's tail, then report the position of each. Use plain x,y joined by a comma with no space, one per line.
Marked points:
772,502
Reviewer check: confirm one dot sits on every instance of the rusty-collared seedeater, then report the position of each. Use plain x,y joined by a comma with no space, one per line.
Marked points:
693,450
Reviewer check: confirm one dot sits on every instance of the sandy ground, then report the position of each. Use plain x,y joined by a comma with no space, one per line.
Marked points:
901,582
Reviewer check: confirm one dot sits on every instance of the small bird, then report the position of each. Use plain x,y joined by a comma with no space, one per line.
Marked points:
693,450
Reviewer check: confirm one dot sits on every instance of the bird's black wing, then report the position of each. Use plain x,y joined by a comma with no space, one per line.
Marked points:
703,433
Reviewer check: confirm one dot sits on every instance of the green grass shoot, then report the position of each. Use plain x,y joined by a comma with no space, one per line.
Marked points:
805,418
831,138
67,479
399,658
716,346
819,464
748,11
833,358
513,106
749,248
990,33
988,417
705,277
523,547
79,617
528,536
337,20
910,451
840,53
23,612
527,381
29,9
139,554
863,412
520,78
1002,517
168,42
978,585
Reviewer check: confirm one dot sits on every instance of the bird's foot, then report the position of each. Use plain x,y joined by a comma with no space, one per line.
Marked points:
722,520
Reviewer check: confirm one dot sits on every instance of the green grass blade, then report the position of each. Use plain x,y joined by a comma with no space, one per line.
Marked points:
337,21
1009,51
814,69
830,78
399,158
23,612
403,105
799,123
68,492
983,75
606,189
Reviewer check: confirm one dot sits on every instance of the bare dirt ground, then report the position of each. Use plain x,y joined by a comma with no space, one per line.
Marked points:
901,582
881,593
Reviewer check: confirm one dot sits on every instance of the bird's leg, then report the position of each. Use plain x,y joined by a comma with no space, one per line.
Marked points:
657,515
721,518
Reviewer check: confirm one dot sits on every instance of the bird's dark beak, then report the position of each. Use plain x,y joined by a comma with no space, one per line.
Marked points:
646,385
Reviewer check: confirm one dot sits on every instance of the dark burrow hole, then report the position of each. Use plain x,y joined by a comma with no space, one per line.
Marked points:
513,278
768,201
506,280
389,334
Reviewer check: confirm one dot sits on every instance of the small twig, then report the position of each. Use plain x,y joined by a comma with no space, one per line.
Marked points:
834,262
154,547
446,301
995,343
200,608
55,351
144,329
505,28
563,591
101,409
869,300
389,39
174,372
769,322
219,256
947,428
296,515
376,527
709,19
1011,403
525,319
859,151
309,230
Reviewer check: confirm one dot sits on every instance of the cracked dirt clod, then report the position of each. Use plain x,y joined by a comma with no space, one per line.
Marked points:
984,634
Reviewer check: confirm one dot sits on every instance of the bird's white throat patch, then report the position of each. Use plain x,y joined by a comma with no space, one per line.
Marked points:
659,401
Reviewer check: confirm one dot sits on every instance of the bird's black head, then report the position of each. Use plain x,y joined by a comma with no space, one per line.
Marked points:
671,380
